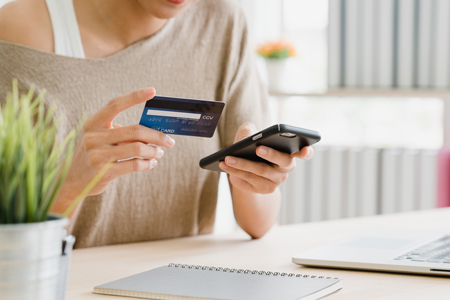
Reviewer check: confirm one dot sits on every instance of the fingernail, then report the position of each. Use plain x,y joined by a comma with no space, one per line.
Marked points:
148,91
309,152
263,150
153,163
231,160
223,166
170,141
159,152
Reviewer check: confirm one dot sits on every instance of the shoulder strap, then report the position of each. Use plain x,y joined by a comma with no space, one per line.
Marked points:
66,33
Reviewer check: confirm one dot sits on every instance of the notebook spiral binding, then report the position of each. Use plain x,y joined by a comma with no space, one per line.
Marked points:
267,273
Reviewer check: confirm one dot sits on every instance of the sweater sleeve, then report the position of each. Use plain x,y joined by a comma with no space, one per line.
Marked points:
243,92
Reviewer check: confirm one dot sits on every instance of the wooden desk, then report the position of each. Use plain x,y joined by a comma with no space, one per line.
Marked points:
94,266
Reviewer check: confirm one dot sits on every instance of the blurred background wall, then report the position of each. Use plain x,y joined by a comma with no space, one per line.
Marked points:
372,76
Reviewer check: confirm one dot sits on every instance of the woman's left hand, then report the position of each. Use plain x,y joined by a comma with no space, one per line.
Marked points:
259,177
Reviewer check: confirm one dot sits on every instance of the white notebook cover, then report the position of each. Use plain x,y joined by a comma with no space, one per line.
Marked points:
197,282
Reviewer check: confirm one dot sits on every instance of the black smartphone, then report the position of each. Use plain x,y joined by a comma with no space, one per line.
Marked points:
281,137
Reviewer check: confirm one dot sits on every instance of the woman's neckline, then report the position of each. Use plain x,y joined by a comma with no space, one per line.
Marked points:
113,56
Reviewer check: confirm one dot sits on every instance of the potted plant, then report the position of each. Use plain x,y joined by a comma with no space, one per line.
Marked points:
276,55
33,165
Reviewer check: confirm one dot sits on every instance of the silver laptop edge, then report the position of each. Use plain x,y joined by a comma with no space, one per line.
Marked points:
376,250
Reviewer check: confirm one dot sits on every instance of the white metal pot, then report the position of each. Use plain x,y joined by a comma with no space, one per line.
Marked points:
31,258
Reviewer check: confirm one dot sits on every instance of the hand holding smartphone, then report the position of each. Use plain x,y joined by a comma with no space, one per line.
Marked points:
281,137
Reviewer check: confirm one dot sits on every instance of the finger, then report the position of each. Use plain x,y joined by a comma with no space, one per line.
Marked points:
115,125
242,184
137,149
261,185
244,131
137,133
259,169
136,165
105,116
283,160
306,153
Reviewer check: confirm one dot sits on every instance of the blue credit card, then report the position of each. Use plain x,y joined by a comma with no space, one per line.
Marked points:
182,116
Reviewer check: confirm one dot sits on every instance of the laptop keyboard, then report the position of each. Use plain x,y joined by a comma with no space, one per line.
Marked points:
436,252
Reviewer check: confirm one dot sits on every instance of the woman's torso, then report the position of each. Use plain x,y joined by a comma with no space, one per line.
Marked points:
200,60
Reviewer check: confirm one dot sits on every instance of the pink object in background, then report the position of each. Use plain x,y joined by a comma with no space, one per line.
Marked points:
444,178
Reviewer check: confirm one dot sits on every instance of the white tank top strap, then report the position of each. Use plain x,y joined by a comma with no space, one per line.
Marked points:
66,33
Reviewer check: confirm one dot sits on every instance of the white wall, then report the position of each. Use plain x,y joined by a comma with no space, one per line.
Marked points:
263,18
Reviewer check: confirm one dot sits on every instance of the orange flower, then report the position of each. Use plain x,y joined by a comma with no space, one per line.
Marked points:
278,49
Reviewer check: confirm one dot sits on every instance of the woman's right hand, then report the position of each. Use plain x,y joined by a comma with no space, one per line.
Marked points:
101,141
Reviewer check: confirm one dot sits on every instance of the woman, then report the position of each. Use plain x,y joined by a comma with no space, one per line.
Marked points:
92,51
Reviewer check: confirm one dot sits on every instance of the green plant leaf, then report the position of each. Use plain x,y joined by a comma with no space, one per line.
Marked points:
33,164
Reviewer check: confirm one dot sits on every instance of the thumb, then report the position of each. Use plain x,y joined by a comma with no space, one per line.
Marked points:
244,131
105,116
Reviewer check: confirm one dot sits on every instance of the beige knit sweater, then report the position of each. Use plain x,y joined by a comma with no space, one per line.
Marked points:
204,54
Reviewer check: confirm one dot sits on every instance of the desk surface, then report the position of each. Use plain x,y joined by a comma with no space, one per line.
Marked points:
95,266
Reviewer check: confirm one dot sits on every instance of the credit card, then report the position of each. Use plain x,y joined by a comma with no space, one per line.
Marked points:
182,116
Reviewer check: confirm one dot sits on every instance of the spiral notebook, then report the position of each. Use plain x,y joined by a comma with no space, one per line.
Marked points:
177,281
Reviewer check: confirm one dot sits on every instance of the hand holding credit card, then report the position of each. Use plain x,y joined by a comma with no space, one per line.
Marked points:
182,116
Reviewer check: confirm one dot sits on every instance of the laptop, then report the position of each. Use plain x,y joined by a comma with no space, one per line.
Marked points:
391,250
